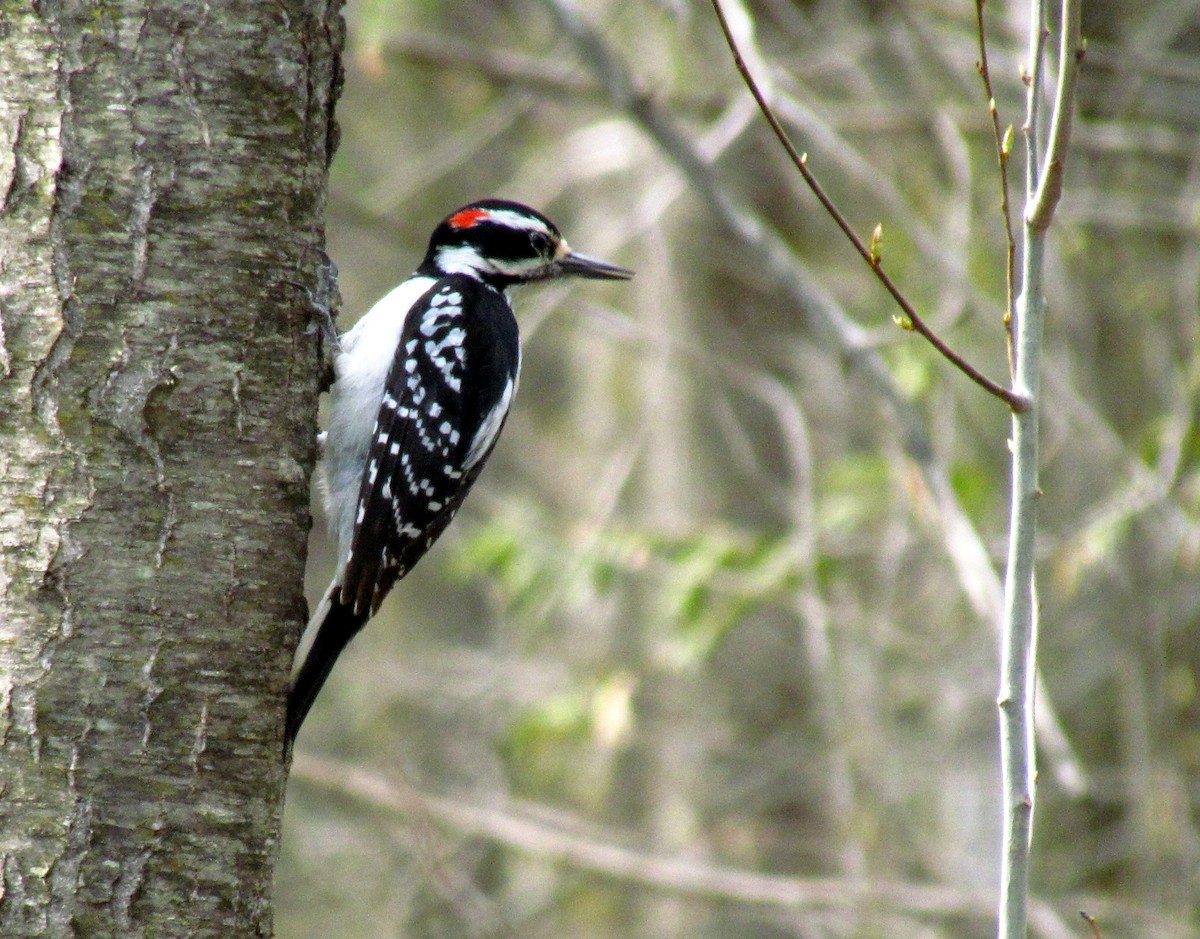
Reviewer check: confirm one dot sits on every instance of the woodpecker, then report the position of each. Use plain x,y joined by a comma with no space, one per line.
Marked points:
422,386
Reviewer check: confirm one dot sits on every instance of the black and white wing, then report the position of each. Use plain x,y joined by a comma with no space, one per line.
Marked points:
445,401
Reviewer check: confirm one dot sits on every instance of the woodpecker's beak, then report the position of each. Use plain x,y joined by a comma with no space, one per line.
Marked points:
580,265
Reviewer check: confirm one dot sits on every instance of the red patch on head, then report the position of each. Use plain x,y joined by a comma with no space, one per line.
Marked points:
467,217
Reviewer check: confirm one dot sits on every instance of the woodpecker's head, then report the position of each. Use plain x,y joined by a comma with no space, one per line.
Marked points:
505,243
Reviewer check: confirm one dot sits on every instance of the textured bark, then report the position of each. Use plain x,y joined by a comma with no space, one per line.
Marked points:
162,180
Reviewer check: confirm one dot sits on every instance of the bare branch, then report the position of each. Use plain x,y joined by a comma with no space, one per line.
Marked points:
1018,643
1070,60
912,319
563,838
1003,139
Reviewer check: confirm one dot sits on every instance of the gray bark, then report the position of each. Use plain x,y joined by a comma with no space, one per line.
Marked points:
162,186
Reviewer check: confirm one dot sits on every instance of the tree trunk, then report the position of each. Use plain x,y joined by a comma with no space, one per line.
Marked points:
162,189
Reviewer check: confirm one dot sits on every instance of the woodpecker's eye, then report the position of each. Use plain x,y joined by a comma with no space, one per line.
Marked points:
543,244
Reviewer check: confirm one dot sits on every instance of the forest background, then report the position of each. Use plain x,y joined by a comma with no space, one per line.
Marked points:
711,651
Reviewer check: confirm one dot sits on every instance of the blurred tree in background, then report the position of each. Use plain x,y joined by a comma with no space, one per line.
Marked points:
711,650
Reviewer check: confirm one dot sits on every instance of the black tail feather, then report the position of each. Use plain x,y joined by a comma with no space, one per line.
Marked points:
335,624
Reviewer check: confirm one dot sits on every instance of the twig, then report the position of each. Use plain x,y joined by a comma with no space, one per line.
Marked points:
1070,59
1033,102
1003,139
912,319
1091,921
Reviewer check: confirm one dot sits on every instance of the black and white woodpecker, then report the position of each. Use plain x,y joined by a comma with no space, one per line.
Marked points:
423,384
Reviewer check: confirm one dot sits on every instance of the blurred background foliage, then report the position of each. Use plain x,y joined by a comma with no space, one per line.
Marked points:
711,650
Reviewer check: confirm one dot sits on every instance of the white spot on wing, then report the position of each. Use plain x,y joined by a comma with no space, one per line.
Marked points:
448,364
